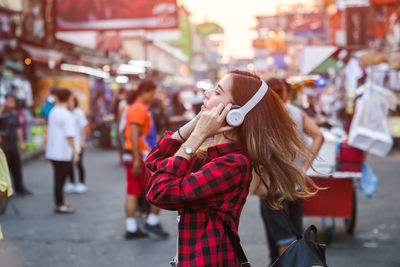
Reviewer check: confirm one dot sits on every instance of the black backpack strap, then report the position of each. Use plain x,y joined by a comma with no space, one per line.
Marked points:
289,221
237,248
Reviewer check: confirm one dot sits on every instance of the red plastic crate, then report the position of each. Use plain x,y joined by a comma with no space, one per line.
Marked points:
349,159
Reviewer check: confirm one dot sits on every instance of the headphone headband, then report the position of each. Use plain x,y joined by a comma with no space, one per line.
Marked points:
255,99
235,117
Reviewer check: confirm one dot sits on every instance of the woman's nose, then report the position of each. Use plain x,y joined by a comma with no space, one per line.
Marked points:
206,93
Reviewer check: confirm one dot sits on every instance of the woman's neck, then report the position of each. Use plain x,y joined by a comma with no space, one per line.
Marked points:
224,138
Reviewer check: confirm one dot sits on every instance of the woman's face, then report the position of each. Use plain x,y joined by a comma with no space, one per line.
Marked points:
220,94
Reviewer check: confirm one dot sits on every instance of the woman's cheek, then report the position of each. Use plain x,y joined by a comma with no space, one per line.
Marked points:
211,105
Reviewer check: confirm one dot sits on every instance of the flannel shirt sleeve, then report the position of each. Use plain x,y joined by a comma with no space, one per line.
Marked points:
173,187
165,147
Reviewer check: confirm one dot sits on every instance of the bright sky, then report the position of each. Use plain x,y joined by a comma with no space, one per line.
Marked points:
237,17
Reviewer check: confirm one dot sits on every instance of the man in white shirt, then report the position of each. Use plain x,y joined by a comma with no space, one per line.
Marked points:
60,149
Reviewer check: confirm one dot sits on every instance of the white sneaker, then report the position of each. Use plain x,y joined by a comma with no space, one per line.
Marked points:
69,187
80,188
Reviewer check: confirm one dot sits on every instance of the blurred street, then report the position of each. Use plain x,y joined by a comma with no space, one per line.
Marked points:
94,235
104,78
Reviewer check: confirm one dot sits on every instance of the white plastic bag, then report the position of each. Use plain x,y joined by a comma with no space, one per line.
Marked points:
369,129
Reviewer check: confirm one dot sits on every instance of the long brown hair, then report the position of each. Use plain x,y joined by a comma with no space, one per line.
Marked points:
270,137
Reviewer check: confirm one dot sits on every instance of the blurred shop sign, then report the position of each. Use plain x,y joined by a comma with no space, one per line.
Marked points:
92,15
209,28
297,23
356,26
343,4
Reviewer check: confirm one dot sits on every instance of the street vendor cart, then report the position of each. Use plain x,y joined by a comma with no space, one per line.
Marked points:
338,198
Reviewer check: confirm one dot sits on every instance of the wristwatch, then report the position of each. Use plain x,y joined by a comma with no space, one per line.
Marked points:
187,150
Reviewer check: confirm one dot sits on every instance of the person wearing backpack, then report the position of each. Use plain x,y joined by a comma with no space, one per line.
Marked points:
278,231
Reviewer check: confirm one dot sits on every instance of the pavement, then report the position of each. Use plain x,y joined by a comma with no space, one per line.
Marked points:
93,236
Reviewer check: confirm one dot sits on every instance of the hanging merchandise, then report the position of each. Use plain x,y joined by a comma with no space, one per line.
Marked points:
377,74
353,73
394,80
369,130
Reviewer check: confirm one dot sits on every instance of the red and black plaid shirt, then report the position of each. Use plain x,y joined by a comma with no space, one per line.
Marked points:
205,191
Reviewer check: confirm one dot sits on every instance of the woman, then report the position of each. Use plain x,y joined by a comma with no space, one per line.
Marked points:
210,188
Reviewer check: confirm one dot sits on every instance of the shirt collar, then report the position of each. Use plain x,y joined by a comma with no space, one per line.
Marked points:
223,149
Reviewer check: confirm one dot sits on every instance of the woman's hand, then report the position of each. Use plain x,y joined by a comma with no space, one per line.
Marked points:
137,166
211,122
187,129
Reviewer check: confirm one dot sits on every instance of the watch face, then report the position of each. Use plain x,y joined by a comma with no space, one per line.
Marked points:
188,150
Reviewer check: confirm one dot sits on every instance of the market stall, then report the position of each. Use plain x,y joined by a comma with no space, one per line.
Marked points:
339,176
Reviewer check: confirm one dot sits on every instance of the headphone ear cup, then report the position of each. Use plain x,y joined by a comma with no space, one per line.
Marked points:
235,117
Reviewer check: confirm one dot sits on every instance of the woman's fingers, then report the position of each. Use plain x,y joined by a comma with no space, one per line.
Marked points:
225,112
218,109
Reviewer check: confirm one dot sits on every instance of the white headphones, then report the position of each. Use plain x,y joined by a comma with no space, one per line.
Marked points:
235,117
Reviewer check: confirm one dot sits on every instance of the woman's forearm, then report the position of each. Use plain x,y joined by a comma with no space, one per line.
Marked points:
194,142
185,131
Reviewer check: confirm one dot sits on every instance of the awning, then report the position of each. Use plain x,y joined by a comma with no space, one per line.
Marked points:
328,63
42,55
314,56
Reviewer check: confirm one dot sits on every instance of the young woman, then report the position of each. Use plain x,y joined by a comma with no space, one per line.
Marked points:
210,188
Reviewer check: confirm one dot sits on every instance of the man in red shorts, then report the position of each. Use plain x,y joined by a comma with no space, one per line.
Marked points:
140,136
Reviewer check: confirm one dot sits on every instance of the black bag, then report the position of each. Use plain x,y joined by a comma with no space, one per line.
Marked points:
302,252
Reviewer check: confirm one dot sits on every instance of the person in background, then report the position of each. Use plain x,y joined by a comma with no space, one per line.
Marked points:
115,105
80,144
158,111
140,137
100,121
5,184
176,112
10,136
50,103
310,109
278,231
60,148
119,109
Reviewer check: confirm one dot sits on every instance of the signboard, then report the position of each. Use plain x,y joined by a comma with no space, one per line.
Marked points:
356,26
209,28
83,15
343,4
79,86
292,22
